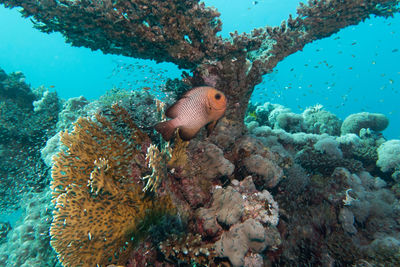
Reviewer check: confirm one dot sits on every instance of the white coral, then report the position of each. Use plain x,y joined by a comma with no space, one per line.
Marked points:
270,213
389,155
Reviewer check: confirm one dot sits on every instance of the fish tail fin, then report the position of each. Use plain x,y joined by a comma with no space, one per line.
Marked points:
166,129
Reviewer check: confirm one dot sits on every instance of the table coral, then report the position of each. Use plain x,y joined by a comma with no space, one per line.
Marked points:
186,33
99,200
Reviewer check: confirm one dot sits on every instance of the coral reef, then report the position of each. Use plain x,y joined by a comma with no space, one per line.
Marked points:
187,249
315,120
221,212
135,102
336,207
270,197
389,156
27,119
99,203
5,227
72,109
234,244
355,122
320,121
322,228
28,242
243,219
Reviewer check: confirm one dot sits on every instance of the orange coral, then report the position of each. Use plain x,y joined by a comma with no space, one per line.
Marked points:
96,189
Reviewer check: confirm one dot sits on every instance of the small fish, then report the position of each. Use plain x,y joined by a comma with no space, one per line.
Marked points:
198,107
52,86
146,88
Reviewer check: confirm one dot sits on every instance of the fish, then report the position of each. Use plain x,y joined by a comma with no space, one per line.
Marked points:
198,107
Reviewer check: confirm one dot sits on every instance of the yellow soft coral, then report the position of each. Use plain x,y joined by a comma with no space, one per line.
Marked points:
99,203
156,161
179,156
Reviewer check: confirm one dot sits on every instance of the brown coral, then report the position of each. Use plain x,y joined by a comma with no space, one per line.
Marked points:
99,201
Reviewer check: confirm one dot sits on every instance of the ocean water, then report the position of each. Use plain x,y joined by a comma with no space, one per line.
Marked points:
354,70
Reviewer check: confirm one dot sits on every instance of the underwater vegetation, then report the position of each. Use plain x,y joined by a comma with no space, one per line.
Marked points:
268,187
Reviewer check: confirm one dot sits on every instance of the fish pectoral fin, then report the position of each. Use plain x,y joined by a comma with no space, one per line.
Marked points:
210,127
166,129
188,133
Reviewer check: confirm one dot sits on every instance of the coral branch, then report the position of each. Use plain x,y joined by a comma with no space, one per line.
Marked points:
183,32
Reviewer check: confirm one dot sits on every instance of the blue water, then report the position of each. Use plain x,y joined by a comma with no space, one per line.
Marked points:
355,70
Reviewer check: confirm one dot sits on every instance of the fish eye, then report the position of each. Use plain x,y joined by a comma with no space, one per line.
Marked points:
218,96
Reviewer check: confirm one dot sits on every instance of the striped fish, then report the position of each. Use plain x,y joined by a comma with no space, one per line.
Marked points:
198,107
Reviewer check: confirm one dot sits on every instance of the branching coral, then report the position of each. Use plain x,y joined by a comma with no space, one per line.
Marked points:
97,191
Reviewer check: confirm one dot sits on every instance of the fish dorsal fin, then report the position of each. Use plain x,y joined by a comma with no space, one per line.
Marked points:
210,127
